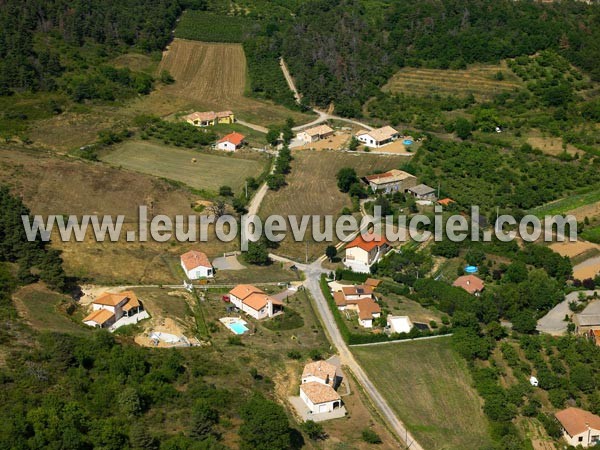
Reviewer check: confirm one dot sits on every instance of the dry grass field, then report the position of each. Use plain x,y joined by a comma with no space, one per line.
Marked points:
430,390
312,189
211,76
476,79
208,172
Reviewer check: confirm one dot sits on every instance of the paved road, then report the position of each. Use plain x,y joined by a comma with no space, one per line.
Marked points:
313,274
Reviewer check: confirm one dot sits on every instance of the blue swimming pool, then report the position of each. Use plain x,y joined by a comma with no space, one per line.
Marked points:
407,142
238,327
471,269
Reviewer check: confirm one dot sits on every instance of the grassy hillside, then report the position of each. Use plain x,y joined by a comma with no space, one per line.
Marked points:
429,387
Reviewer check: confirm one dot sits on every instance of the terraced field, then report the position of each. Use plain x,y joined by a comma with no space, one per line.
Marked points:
478,80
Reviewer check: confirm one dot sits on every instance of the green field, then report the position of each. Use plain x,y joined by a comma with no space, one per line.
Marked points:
209,27
567,204
591,234
208,172
429,387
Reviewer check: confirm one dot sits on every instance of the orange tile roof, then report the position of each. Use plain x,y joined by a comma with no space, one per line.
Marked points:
235,138
194,258
339,298
469,283
367,308
374,241
242,291
575,420
359,289
319,393
372,283
391,176
133,301
110,299
320,369
445,201
100,316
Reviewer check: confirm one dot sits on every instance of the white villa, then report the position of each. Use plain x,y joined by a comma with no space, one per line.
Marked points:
315,134
196,265
361,254
391,181
579,427
368,310
231,142
254,301
358,298
399,324
108,308
317,390
379,137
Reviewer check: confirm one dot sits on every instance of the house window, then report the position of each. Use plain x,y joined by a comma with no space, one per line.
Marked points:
580,438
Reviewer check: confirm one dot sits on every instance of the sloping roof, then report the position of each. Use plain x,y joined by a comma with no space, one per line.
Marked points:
575,420
374,241
235,138
242,291
110,299
469,283
391,176
320,369
339,298
372,283
587,320
133,301
258,301
367,308
222,114
319,393
421,189
201,116
318,130
359,289
194,258
380,134
100,316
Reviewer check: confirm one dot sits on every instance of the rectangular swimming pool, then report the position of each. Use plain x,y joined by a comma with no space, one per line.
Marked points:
237,327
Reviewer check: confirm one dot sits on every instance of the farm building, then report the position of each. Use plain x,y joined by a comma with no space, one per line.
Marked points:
319,397
391,181
231,142
399,324
196,265
255,302
470,283
422,192
368,310
579,427
379,137
588,320
320,372
209,118
361,254
315,134
108,308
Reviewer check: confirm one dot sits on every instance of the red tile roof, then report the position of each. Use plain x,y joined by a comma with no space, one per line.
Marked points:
469,283
100,316
235,138
194,258
367,308
575,420
367,245
445,201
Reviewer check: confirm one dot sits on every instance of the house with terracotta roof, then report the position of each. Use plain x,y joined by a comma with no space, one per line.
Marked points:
320,372
368,310
110,307
372,283
445,202
320,398
254,302
209,118
378,137
470,283
315,134
579,427
391,181
196,265
365,251
231,142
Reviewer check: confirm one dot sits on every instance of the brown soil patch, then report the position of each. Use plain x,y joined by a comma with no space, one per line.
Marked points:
572,249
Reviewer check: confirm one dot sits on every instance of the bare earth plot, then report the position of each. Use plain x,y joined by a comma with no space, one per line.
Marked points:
476,79
429,387
210,76
208,172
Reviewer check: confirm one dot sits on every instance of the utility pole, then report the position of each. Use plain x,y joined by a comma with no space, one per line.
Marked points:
306,257
246,188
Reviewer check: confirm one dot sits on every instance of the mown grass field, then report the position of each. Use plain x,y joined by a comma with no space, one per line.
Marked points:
429,388
208,172
312,190
476,79
213,76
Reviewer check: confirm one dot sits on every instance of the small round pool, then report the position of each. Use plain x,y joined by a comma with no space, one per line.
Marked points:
470,269
407,142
